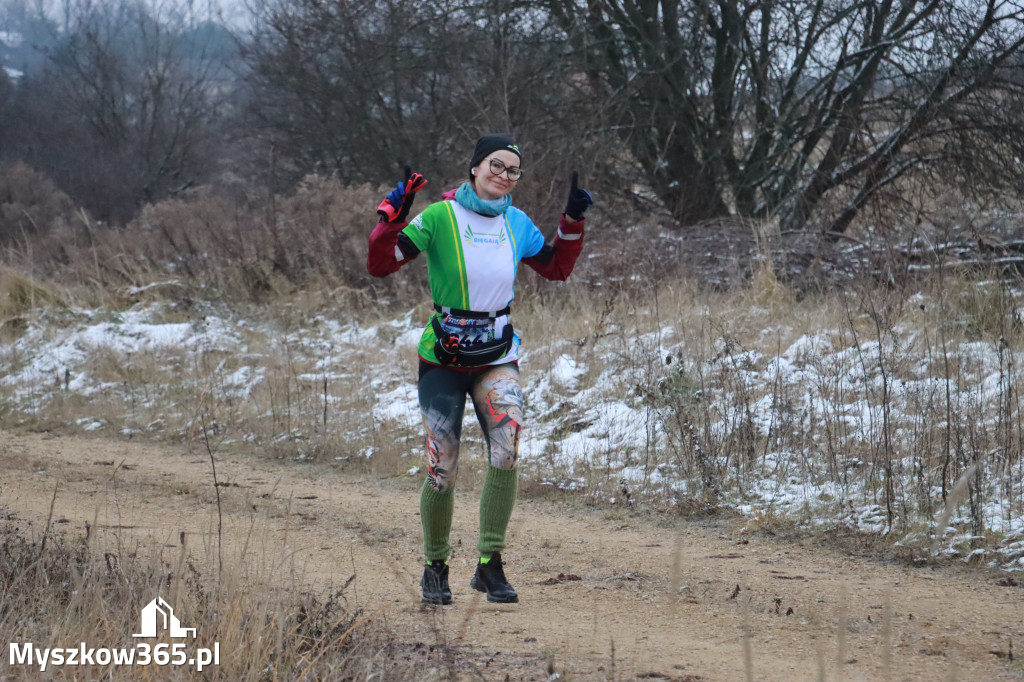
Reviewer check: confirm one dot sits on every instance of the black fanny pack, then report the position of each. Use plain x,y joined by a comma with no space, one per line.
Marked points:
450,350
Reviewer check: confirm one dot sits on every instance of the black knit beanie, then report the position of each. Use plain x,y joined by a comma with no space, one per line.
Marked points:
492,143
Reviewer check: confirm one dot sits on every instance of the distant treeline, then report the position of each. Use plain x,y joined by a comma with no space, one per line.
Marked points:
809,114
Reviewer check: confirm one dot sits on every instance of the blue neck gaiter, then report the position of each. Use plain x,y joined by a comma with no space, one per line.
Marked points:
467,198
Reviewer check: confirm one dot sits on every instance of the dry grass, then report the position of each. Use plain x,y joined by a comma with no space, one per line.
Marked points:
906,388
57,591
22,297
205,246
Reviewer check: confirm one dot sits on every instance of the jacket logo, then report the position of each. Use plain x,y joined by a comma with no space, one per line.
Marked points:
482,238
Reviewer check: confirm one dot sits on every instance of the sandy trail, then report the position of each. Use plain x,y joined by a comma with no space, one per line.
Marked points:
604,595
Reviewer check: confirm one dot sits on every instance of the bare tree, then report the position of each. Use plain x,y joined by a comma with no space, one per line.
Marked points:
361,87
123,112
350,87
771,107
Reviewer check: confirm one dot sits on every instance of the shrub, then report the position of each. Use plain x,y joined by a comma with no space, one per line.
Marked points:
30,204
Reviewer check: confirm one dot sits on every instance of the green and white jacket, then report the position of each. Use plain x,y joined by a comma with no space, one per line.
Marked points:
473,259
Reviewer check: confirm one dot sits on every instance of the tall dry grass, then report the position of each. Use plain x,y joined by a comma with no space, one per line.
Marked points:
205,244
63,590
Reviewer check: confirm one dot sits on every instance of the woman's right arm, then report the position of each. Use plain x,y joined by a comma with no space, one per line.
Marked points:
389,250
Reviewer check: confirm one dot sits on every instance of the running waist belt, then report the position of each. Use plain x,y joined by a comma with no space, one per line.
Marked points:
451,349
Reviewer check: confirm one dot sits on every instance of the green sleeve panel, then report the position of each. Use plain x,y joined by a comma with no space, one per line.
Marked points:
420,230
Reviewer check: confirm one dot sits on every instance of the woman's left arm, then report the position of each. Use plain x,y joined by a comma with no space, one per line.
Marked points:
555,261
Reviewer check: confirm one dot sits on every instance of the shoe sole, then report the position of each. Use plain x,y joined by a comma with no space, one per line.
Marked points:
475,584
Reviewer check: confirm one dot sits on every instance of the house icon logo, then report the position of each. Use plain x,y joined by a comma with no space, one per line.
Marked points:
158,613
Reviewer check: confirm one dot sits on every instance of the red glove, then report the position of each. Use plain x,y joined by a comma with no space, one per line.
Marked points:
396,206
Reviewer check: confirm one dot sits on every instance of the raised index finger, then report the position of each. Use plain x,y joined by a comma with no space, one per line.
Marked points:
575,179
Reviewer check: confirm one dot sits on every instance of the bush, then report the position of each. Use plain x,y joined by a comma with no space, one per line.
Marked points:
30,204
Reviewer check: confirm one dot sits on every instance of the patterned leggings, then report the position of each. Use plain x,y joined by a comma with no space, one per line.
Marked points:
498,401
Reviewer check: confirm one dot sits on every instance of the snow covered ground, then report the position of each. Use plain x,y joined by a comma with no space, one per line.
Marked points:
830,430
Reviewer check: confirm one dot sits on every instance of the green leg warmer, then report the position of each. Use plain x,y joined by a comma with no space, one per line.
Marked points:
496,502
436,510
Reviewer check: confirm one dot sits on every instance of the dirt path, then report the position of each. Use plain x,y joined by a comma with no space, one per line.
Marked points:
603,595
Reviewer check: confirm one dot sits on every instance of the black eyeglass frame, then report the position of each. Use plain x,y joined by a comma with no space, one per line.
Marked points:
508,171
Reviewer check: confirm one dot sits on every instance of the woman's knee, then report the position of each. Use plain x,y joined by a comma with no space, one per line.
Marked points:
499,404
441,482
504,460
442,463
503,441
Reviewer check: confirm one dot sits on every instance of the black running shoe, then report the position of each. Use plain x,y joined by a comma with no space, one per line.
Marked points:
490,578
435,583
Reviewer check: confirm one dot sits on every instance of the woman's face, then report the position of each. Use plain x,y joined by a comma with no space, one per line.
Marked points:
489,186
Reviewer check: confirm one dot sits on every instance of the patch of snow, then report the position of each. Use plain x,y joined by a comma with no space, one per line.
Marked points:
566,371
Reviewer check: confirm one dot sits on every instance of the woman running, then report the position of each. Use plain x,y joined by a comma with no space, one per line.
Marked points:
473,240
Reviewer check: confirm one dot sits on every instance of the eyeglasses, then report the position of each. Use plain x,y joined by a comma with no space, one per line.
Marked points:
513,173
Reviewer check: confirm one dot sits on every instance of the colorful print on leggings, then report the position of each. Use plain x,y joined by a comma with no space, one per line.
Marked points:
499,402
442,447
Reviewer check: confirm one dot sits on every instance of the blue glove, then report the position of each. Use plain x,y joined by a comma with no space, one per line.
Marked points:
397,204
579,200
